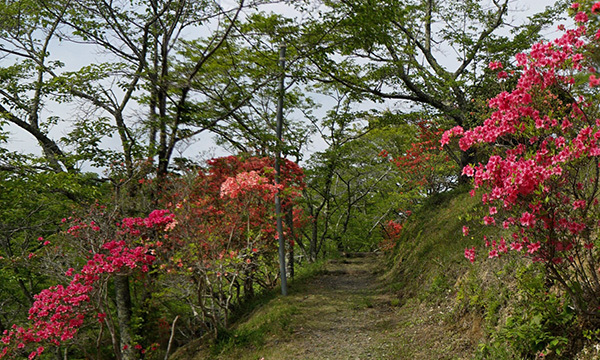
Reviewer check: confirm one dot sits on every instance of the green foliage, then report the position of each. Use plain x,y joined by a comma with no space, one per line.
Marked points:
398,40
240,88
85,139
523,319
439,288
157,90
429,252
354,188
542,323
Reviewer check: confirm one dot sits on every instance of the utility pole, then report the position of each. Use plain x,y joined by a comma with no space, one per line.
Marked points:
282,270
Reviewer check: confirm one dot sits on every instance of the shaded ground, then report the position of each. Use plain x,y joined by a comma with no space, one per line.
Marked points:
347,313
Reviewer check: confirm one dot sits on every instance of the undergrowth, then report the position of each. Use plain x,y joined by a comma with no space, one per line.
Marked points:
253,322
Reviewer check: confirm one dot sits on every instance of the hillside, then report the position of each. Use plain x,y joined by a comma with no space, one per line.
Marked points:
347,312
424,302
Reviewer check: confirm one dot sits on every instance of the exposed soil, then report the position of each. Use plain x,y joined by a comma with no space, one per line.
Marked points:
348,313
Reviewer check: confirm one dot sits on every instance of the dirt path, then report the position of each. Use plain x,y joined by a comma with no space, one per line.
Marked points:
344,315
349,313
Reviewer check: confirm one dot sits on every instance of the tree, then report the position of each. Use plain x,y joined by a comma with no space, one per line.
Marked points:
143,37
223,247
351,188
239,84
425,167
25,37
58,312
211,252
141,72
153,89
339,127
33,198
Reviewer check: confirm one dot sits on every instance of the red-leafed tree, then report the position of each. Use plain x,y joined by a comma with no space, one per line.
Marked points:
425,166
224,243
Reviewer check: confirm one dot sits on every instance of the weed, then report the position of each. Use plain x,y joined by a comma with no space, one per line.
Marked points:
362,302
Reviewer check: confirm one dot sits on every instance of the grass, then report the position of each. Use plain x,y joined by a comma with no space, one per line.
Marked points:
503,305
362,302
429,255
253,333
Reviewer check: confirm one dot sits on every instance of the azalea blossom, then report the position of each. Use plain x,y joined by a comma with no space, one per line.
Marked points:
465,230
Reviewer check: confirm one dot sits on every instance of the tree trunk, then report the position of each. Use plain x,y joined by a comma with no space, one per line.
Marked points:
313,241
123,302
289,219
248,287
339,244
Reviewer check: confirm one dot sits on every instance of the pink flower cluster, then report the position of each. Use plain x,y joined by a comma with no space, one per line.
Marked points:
247,181
156,219
542,142
470,254
81,225
59,311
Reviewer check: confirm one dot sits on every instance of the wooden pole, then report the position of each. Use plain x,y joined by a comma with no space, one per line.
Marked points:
282,267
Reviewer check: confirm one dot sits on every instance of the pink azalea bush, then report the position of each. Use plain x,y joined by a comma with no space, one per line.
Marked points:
542,178
224,246
248,181
59,311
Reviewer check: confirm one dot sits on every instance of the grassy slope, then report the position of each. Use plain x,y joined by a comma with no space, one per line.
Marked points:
428,271
429,255
502,307
268,315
